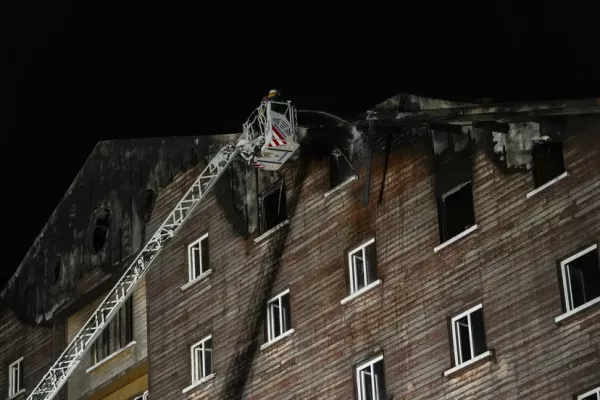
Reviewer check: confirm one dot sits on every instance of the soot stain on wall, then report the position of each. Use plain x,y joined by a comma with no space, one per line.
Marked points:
100,223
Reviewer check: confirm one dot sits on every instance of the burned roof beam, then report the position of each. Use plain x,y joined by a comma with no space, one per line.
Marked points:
500,112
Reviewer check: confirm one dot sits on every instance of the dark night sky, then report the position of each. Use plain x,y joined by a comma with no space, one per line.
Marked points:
73,81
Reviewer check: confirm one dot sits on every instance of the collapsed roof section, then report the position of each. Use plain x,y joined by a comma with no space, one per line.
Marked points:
509,130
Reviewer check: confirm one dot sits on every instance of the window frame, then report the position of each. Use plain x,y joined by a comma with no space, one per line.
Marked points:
106,334
595,391
359,384
194,370
262,222
269,328
19,381
565,284
333,158
366,269
537,183
445,238
457,356
141,396
191,259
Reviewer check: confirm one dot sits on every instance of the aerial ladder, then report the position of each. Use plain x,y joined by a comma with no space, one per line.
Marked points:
269,139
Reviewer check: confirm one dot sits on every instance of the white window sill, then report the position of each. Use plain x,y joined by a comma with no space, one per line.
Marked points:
361,291
340,186
17,394
110,357
290,332
547,184
200,382
481,357
272,230
197,280
456,238
577,310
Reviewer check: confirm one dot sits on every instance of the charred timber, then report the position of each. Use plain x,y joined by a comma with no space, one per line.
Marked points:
466,115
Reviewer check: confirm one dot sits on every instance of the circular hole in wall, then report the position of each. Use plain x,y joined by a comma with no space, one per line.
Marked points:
148,203
101,229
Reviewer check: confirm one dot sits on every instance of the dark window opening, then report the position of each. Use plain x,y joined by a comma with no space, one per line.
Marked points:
101,229
455,211
582,278
469,336
149,200
116,335
593,395
478,332
363,266
273,207
204,253
548,162
464,340
371,382
340,169
202,360
198,258
278,317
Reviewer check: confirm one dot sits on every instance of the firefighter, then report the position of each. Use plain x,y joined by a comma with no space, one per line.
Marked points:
273,95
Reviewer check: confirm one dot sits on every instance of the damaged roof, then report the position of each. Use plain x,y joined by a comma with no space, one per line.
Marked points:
112,194
115,189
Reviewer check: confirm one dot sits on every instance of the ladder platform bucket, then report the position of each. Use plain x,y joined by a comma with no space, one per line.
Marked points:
276,122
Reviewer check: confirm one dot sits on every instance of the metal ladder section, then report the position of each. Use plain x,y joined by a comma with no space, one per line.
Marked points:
70,358
143,396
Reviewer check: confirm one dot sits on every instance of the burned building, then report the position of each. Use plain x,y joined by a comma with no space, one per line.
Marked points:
426,250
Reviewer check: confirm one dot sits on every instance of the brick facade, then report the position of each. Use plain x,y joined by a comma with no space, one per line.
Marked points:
39,346
508,264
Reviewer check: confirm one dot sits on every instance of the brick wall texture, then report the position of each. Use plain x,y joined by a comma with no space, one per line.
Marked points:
508,265
40,346
35,344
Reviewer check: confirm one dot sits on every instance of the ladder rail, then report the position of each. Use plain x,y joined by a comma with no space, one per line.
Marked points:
54,379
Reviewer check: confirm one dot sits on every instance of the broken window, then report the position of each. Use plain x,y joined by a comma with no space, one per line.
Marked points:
198,262
362,262
340,170
15,378
370,380
116,335
468,335
202,359
278,317
593,394
455,211
273,207
548,162
580,278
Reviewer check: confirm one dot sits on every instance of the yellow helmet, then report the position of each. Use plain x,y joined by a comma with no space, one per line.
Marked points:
273,93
